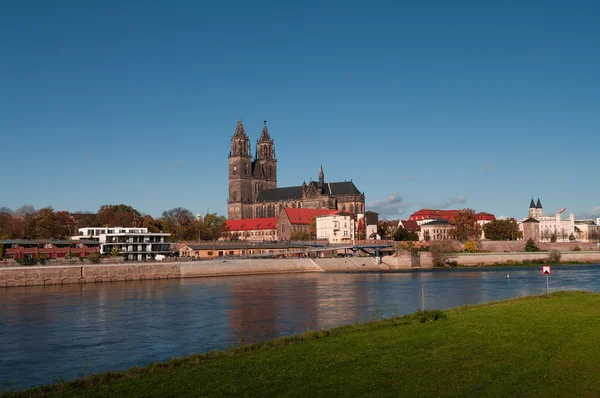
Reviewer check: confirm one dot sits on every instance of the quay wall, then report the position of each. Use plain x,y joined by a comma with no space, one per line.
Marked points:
474,259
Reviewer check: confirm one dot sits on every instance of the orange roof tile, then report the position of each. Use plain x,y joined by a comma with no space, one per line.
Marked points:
252,224
305,216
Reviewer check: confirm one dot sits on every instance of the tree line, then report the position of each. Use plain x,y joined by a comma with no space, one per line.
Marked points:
28,223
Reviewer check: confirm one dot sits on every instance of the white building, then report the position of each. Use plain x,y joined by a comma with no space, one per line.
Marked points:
336,228
551,227
130,243
587,230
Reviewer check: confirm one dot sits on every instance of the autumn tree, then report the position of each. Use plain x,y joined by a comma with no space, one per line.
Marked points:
502,230
65,225
153,225
383,229
118,216
213,226
27,217
360,233
403,235
312,228
45,223
180,223
465,226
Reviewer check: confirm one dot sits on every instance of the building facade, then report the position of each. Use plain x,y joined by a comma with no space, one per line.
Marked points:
336,228
293,221
551,228
253,191
252,230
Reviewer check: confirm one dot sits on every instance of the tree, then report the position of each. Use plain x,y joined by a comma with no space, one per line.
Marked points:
572,237
465,226
152,224
402,235
440,252
118,216
471,246
426,236
563,234
179,222
383,229
502,230
213,226
545,235
530,246
45,223
64,224
26,214
300,235
360,233
312,229
553,237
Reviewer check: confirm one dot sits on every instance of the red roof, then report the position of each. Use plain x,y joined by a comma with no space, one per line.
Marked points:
410,225
305,216
431,214
252,224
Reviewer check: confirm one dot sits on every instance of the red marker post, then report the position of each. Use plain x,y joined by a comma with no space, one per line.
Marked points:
546,270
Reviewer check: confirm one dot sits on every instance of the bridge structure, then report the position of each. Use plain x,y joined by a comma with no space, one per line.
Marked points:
369,249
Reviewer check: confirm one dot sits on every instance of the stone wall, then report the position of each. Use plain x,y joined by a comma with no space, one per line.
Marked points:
61,275
473,259
517,246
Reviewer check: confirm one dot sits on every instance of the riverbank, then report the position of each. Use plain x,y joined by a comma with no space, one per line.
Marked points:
532,346
132,271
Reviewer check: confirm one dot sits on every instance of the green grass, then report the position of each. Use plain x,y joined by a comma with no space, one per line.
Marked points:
534,346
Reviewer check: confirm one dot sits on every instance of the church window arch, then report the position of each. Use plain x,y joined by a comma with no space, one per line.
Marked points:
234,170
293,205
352,209
245,168
270,171
234,196
343,207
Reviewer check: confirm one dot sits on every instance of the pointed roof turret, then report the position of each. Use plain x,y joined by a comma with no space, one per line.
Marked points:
239,130
539,204
265,133
321,175
532,204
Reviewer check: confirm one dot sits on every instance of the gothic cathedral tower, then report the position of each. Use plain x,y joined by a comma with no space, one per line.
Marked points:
240,176
264,167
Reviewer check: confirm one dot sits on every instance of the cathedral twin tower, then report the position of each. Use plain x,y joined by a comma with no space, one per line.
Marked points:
253,191
247,176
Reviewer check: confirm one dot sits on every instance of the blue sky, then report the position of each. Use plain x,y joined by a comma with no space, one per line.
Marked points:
422,104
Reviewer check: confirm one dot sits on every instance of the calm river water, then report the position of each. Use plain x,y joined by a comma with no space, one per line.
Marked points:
61,332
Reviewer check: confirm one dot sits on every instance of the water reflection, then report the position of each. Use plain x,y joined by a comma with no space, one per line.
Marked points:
54,332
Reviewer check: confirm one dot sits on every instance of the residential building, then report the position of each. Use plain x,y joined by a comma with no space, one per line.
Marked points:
294,220
253,191
336,228
51,248
135,246
252,229
370,221
587,230
131,243
425,216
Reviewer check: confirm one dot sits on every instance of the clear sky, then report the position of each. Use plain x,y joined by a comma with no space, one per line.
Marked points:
447,104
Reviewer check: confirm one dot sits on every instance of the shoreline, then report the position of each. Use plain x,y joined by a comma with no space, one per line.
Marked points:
346,345
121,272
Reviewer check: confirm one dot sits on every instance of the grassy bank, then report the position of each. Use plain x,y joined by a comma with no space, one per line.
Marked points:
532,346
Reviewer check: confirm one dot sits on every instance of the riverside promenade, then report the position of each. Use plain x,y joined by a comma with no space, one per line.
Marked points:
131,271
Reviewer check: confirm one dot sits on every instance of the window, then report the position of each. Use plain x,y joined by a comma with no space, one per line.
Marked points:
209,253
234,171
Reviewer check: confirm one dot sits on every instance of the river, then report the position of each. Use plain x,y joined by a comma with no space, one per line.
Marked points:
58,333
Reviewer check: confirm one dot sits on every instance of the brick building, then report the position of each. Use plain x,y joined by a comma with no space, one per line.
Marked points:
253,191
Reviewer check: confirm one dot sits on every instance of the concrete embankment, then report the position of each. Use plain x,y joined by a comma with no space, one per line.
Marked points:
66,274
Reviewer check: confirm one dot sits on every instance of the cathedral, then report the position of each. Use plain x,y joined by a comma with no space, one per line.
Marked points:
253,191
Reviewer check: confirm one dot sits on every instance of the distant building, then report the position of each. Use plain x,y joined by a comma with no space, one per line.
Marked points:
131,243
293,220
436,230
550,227
51,248
208,250
253,191
425,216
252,229
336,228
370,224
587,230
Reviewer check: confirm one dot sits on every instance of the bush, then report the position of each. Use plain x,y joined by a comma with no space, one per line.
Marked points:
553,238
554,257
577,249
440,251
27,261
94,257
41,258
572,238
470,246
531,247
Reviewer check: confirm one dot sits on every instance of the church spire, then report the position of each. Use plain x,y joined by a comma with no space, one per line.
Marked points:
239,130
321,177
532,204
265,137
